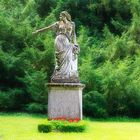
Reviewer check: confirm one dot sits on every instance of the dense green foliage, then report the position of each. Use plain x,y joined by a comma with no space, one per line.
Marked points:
109,62
45,128
62,126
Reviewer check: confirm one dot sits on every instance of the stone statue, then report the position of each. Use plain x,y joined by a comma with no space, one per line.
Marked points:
66,50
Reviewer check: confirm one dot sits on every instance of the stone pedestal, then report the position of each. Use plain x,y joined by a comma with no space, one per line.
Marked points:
65,100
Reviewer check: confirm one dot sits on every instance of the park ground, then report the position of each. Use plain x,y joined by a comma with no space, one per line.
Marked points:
22,126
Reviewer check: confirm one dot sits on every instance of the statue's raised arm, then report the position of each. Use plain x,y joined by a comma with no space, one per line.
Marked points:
52,26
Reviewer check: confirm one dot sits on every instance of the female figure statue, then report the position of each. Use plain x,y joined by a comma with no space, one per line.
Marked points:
66,50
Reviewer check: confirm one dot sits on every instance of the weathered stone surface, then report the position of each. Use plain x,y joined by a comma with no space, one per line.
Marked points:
66,49
65,100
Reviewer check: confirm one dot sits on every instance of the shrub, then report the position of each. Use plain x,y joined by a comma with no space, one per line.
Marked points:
35,85
45,128
95,104
36,108
132,99
12,99
57,124
62,126
72,127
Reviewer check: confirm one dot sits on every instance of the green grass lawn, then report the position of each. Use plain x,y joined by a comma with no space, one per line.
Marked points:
24,127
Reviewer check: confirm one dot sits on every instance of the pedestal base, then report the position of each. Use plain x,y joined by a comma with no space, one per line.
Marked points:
65,100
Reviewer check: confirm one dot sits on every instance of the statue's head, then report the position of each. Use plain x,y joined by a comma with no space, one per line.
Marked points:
65,14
